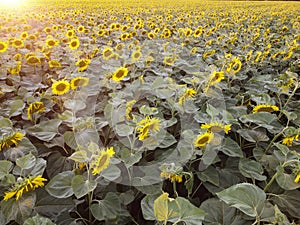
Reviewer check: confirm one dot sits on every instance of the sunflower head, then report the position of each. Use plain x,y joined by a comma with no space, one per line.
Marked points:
203,139
60,87
119,74
79,82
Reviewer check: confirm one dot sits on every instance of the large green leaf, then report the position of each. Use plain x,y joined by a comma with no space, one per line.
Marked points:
219,213
251,169
246,197
26,162
19,210
286,181
38,220
60,186
45,130
107,208
81,187
161,209
5,167
231,148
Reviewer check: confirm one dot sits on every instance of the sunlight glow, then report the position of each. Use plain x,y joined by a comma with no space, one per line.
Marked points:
10,3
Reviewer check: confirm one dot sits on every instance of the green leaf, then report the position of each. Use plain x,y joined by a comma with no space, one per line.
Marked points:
210,174
288,202
26,162
38,220
161,211
74,105
19,210
251,169
231,148
264,119
124,130
186,212
167,141
5,167
246,197
286,181
5,123
79,156
16,107
111,173
81,187
219,213
57,163
45,130
253,135
60,186
69,138
147,205
283,148
108,208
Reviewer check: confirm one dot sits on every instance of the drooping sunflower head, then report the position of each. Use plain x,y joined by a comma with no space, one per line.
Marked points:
102,160
54,64
79,82
203,139
60,87
83,64
34,108
265,108
216,127
119,74
10,139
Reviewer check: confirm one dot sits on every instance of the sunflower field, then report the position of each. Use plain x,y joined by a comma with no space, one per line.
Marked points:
149,112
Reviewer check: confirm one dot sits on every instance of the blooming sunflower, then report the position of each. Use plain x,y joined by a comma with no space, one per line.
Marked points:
119,74
216,77
101,161
289,140
235,65
60,87
107,53
70,33
18,43
74,43
79,82
136,55
80,29
188,93
24,35
129,108
265,108
54,64
24,185
34,108
83,64
169,60
3,46
33,60
209,53
146,125
15,69
51,42
8,140
173,177
216,127
203,139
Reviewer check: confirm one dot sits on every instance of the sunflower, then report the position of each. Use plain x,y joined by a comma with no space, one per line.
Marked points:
188,93
18,43
146,125
80,29
8,140
107,53
3,46
34,108
216,127
101,161
129,108
235,65
297,178
24,35
257,56
169,60
151,35
287,55
54,64
74,43
119,47
51,42
24,185
289,140
265,108
173,177
216,77
248,56
136,55
197,32
33,60
70,33
47,30
208,53
203,139
16,69
79,82
83,64
119,74
60,87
